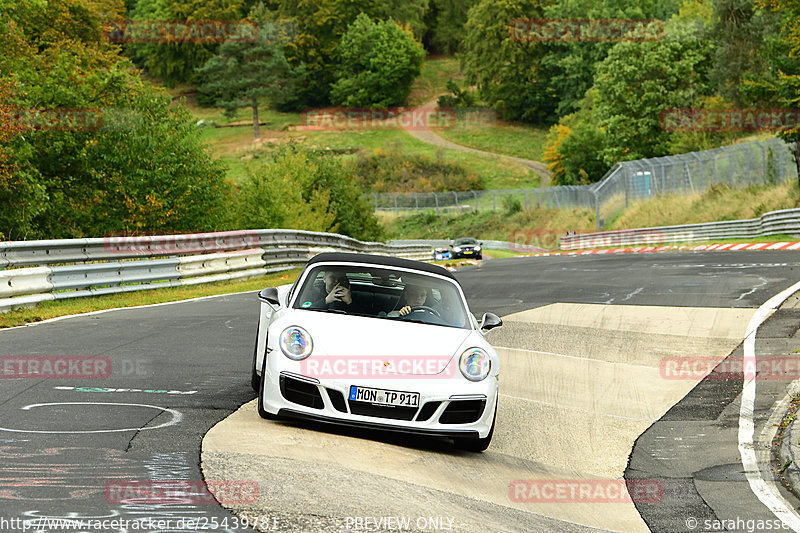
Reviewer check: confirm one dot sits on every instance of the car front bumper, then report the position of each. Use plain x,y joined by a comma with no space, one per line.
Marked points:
448,406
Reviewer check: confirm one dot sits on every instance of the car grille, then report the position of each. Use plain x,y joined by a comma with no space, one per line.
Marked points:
301,393
337,400
382,411
427,411
463,412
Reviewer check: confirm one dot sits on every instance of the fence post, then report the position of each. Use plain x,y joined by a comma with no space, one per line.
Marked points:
597,206
436,199
730,165
475,195
494,201
416,201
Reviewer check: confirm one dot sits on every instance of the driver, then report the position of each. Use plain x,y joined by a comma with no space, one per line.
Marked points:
413,296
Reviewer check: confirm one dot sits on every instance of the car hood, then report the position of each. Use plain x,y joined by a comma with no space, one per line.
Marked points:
401,347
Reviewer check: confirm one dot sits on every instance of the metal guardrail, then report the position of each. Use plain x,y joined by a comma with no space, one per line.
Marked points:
37,271
784,222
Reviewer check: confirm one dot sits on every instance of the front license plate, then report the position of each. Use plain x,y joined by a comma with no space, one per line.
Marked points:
467,253
384,397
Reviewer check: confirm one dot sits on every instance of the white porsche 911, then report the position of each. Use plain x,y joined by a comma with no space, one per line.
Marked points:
377,342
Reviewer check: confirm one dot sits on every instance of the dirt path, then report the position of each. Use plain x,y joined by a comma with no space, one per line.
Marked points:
426,135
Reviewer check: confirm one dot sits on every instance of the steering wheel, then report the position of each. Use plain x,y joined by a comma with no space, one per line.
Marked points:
425,309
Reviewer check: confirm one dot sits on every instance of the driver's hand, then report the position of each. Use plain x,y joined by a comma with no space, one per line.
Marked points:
339,294
405,310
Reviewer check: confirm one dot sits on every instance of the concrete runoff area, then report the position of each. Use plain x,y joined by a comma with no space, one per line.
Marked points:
579,383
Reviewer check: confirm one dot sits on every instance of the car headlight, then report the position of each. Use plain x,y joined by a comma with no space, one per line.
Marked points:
475,364
477,248
456,248
296,343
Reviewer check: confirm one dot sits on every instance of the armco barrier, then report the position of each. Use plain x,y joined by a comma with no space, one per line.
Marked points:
37,271
785,222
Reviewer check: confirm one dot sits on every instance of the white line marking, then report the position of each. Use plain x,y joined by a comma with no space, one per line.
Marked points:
176,417
576,357
766,492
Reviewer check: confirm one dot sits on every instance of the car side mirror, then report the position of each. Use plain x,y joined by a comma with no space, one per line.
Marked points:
269,295
490,321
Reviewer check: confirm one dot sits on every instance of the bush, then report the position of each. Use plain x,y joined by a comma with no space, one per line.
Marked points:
392,170
378,62
299,189
512,204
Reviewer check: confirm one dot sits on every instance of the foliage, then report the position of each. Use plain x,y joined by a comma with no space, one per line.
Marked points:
175,62
640,80
242,73
509,74
144,170
391,169
302,190
446,20
512,204
457,98
574,146
378,62
321,25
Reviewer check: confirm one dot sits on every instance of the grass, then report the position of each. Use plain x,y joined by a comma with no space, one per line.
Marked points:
53,309
433,79
541,227
516,140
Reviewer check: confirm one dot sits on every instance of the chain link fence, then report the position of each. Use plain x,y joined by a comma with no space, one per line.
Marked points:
739,165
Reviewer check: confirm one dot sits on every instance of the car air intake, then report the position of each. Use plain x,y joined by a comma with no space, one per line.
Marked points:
427,411
463,412
337,399
382,411
301,393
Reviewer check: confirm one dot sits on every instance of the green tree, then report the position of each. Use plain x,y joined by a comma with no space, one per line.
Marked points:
509,73
640,80
176,62
378,62
242,73
445,26
145,169
320,26
302,190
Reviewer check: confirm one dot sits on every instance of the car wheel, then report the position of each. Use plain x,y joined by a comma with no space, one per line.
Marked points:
255,380
477,445
479,257
261,411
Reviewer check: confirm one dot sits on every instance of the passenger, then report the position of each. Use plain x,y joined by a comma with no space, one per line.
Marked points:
334,292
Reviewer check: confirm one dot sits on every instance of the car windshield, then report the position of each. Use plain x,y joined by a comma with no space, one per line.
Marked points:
461,242
384,294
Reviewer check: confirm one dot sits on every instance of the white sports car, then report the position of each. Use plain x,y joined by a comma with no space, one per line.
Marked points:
377,342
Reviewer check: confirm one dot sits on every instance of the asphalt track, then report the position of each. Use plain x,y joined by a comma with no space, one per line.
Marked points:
180,369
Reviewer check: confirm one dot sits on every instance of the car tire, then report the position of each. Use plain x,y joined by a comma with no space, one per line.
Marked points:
261,411
477,445
255,380
479,257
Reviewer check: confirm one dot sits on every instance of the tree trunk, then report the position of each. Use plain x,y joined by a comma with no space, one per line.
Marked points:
255,118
